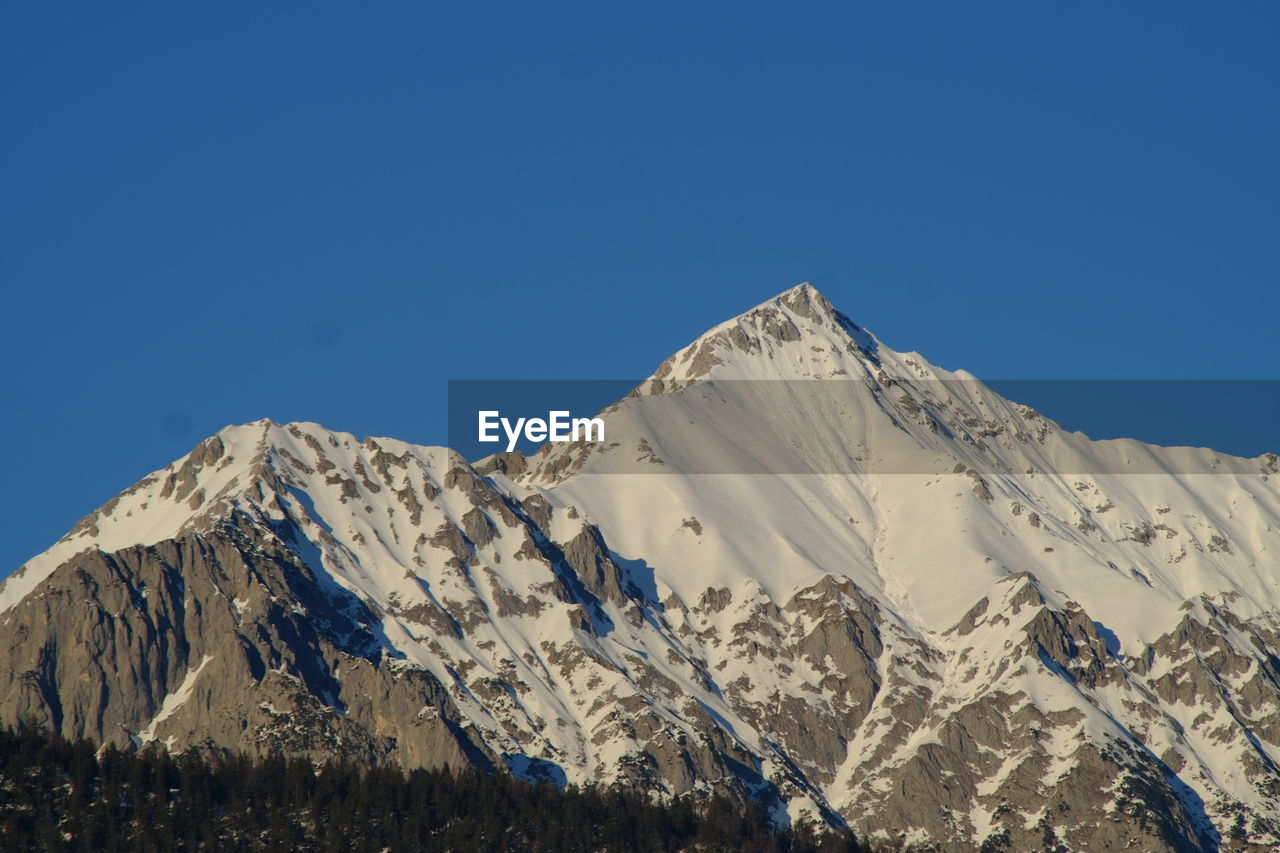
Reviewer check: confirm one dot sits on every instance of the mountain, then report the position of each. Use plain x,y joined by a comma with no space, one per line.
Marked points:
804,569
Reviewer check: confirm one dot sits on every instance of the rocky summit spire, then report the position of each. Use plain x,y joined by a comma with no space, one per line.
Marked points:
805,300
768,341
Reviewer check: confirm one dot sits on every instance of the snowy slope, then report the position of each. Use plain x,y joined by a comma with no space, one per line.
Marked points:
857,484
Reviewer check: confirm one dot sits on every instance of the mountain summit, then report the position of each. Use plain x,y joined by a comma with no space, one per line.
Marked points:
806,569
798,314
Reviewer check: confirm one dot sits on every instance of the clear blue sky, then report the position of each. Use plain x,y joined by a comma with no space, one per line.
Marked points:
314,212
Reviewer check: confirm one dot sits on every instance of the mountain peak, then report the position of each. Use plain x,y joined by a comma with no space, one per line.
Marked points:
779,338
236,468
802,304
805,300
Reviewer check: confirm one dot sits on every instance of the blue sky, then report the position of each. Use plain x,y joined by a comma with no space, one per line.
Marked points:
323,213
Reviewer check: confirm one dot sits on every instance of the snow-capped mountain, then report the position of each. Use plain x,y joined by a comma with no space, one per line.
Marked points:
804,568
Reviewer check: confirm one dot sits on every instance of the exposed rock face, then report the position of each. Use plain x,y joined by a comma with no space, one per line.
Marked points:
960,658
224,639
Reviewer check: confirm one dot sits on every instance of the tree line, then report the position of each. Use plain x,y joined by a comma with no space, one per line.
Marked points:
68,795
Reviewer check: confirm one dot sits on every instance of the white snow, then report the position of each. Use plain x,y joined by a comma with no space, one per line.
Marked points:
174,701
